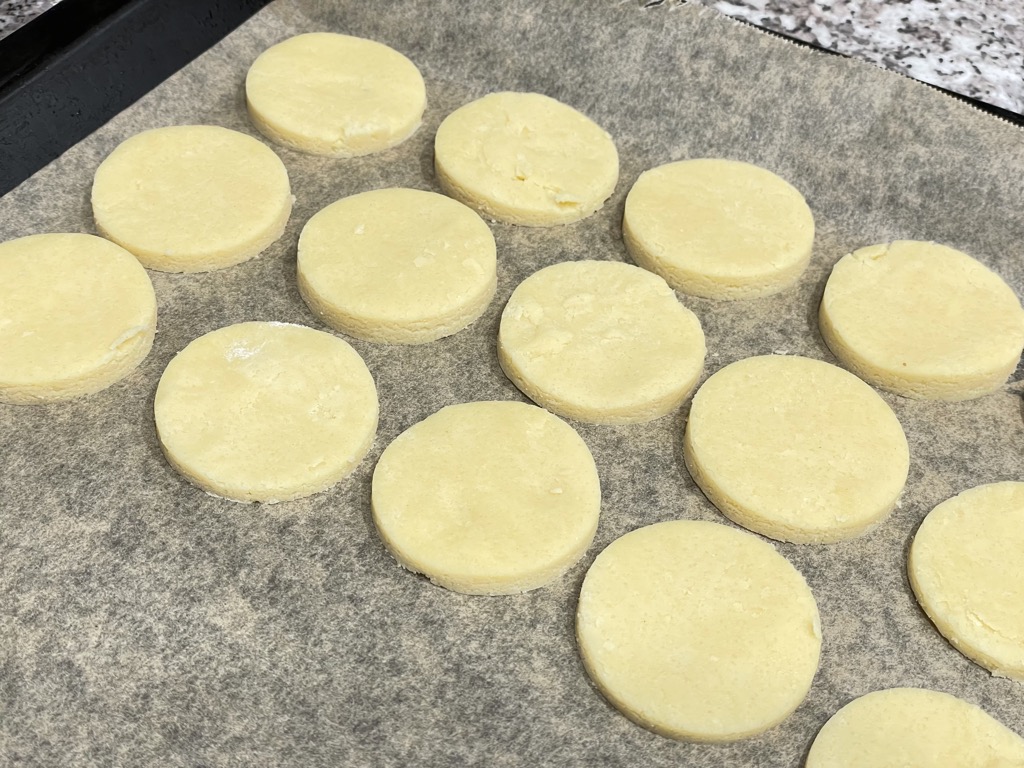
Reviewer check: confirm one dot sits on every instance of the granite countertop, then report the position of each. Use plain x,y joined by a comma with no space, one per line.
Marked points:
971,47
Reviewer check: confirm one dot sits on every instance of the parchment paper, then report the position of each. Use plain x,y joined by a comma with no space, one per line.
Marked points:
145,622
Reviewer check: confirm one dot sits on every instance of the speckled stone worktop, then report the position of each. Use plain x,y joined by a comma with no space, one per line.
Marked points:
971,47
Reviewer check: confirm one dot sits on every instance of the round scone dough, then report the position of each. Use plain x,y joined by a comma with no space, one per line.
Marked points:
337,95
718,228
901,727
400,266
698,631
966,567
191,198
265,411
77,313
525,158
487,498
795,449
600,341
922,320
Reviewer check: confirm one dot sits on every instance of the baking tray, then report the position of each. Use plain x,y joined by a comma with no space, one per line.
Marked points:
143,622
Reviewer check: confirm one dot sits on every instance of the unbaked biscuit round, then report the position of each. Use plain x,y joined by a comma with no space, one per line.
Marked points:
337,95
191,198
77,313
718,228
487,497
266,411
901,727
397,265
966,567
922,320
600,341
524,158
795,449
698,631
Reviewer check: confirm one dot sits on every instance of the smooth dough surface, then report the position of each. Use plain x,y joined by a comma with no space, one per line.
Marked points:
698,631
795,449
966,567
600,341
397,265
487,497
266,411
191,198
718,228
525,158
922,320
77,313
901,727
337,95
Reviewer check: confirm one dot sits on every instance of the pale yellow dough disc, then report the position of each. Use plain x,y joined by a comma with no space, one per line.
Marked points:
914,728
336,95
191,198
966,566
600,341
796,449
698,631
77,313
397,265
717,228
922,320
487,497
266,411
524,158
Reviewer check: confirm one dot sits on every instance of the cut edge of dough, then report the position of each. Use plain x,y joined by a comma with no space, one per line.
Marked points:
338,150
126,355
926,387
974,652
467,585
774,530
635,413
187,263
269,495
495,212
722,288
383,330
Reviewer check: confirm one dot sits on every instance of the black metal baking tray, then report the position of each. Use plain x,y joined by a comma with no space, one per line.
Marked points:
74,67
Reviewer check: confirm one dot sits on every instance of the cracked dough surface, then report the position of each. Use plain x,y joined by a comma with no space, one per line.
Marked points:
600,341
77,313
922,320
191,198
698,631
397,265
266,411
337,95
487,497
966,567
795,449
718,228
901,727
525,158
